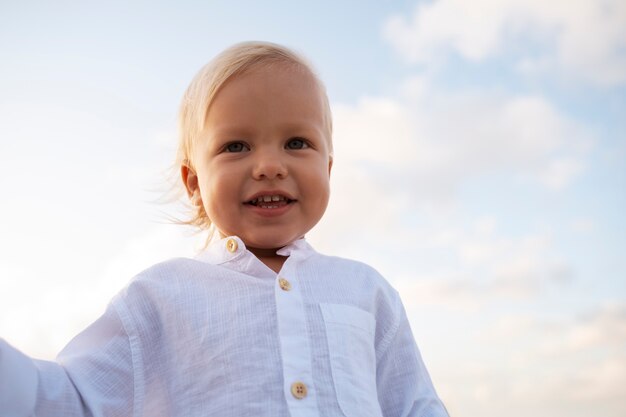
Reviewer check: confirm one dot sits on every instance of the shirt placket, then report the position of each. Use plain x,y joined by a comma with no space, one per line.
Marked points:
294,342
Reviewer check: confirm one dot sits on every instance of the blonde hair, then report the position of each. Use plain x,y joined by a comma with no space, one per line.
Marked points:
236,60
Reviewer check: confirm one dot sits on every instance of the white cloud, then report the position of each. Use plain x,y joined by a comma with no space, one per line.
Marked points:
560,171
594,342
580,39
511,370
603,328
583,225
429,142
471,28
487,268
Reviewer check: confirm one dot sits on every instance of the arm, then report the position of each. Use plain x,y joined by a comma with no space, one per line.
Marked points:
404,386
18,382
93,376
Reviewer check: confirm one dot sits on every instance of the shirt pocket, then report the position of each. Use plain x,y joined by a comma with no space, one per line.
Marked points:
350,334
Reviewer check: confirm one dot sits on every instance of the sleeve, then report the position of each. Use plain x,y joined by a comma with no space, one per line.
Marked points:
18,383
404,386
93,376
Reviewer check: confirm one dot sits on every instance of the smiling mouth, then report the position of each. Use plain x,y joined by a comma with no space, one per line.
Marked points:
270,201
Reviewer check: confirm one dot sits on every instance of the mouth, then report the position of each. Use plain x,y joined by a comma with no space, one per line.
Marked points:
270,201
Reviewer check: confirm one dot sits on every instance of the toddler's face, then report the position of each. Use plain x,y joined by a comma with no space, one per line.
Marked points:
262,165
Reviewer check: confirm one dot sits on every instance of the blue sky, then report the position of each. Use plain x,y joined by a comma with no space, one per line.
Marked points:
480,166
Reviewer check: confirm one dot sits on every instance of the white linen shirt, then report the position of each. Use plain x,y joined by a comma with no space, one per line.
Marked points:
224,335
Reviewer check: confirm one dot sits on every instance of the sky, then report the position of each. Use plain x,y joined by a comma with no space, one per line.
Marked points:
480,153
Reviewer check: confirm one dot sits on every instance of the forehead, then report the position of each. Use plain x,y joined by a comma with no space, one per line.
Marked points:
278,92
276,79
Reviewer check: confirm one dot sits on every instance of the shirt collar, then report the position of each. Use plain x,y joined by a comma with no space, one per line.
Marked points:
232,250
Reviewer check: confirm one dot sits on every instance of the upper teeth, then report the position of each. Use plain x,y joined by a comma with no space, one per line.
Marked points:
268,198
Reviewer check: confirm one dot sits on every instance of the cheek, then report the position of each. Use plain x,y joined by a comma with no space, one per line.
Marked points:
218,192
319,188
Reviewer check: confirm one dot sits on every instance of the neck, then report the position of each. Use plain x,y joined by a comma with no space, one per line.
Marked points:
269,257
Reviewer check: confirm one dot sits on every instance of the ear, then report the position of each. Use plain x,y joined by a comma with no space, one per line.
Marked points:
190,179
330,164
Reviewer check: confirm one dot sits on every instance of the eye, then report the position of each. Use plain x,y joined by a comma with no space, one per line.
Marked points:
296,143
235,147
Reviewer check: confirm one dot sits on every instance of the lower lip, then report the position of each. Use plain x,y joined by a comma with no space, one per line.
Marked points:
271,212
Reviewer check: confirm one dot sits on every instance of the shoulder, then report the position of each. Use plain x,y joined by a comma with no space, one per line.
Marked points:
354,282
158,285
168,274
356,272
337,262
170,267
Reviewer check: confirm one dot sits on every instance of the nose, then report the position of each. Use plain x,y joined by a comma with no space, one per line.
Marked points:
269,165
